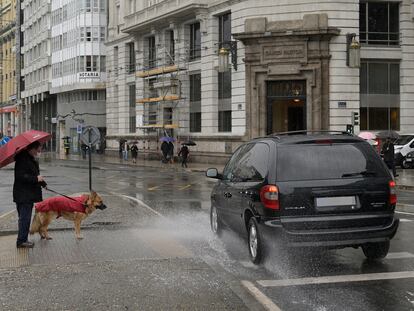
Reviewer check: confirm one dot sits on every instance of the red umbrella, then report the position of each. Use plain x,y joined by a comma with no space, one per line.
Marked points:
19,143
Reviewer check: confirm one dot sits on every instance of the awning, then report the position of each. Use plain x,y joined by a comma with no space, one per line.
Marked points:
8,109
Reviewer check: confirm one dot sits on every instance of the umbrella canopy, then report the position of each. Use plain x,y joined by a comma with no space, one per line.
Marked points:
167,139
367,135
189,143
388,134
19,143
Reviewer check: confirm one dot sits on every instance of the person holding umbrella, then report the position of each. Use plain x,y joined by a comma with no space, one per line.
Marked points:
388,154
27,190
184,152
28,182
134,152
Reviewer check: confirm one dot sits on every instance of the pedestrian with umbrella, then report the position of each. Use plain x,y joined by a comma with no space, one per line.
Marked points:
184,153
28,182
134,152
387,152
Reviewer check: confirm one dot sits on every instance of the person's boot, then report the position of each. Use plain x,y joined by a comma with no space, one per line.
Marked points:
25,245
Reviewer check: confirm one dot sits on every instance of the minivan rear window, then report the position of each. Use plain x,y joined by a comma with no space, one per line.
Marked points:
333,161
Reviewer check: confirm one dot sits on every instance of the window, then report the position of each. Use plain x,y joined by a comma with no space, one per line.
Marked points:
379,23
224,96
102,34
103,64
380,95
317,162
252,164
152,52
171,45
88,63
88,34
116,60
195,41
225,28
131,54
195,103
132,110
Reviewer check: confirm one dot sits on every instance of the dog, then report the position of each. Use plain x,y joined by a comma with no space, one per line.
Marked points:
75,209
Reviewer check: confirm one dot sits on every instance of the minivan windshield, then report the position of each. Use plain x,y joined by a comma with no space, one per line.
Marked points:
404,139
328,161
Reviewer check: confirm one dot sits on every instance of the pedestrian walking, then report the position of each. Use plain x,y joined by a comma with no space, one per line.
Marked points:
27,190
184,153
171,152
388,155
125,151
84,148
164,151
121,148
134,153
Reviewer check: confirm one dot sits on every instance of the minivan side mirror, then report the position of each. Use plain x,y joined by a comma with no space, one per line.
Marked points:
213,173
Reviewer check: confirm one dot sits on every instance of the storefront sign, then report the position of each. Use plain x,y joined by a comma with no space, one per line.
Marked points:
89,75
8,109
283,52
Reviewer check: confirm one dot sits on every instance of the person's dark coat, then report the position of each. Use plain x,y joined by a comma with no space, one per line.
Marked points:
26,188
171,149
388,151
164,148
184,152
134,150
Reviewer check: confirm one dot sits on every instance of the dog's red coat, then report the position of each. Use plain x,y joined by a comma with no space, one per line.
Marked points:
62,204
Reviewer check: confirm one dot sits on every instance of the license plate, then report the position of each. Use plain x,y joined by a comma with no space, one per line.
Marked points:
409,159
336,201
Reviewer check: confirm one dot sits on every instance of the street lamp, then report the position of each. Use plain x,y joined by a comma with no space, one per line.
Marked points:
223,60
227,48
353,51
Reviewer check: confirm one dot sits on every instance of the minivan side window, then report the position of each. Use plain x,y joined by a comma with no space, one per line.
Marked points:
252,164
228,170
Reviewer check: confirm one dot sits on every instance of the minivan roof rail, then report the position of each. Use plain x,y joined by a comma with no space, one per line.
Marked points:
311,132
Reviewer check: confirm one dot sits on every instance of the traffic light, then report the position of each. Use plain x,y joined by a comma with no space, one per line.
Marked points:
350,128
355,118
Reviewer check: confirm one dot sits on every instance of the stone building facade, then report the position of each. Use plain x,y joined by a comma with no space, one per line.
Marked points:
290,71
9,111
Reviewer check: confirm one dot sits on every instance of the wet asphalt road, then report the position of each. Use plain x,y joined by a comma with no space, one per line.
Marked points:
182,198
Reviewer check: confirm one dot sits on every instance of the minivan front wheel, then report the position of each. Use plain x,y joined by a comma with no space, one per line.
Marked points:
375,251
255,242
215,222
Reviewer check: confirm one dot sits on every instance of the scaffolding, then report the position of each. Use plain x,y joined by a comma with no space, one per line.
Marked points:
163,91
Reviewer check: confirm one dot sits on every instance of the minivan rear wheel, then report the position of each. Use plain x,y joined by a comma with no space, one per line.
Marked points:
375,251
255,242
215,222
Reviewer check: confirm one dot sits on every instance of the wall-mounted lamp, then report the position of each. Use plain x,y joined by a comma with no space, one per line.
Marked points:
353,51
227,48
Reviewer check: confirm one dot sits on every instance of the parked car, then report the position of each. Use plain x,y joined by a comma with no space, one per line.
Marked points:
403,146
408,161
307,189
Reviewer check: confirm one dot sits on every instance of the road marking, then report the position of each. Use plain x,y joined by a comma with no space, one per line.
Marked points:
405,220
260,297
141,203
403,205
400,255
7,214
338,279
153,188
405,213
185,187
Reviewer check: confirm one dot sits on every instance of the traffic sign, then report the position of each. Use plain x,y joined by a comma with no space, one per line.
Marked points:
90,135
79,129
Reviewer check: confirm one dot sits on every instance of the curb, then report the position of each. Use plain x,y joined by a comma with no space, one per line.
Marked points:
111,227
405,187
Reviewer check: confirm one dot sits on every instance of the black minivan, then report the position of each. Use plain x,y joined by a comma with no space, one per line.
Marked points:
306,189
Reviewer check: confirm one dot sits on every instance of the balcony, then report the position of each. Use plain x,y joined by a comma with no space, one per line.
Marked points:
162,11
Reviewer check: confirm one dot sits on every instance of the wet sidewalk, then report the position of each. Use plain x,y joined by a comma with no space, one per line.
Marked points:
98,158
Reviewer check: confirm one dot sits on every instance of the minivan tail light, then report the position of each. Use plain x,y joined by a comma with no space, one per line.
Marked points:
393,193
269,196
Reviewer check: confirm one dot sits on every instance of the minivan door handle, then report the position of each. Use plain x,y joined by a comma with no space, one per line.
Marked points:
227,195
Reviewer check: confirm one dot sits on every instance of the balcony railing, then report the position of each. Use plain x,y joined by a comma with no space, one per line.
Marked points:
166,7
